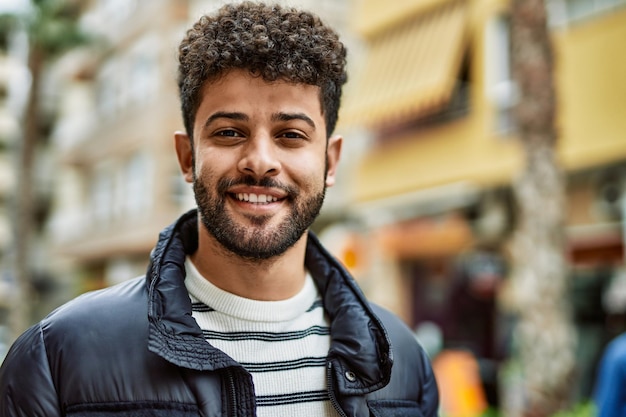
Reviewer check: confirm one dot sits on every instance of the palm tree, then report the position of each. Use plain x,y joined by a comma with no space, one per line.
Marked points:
51,28
545,333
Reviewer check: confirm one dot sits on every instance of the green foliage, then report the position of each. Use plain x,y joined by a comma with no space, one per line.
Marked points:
585,409
491,412
52,26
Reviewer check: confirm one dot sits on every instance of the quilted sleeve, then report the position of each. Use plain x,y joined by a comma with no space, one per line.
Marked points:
430,395
26,385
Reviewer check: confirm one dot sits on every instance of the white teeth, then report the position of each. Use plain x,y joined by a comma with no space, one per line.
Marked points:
256,198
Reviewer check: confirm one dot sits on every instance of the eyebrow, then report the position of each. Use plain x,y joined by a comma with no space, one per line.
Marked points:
277,117
285,117
225,115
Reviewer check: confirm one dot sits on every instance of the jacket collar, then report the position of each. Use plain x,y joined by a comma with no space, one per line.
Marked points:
360,347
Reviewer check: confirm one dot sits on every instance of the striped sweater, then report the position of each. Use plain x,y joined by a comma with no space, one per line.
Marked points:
283,344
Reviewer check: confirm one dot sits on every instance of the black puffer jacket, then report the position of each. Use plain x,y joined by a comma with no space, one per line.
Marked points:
134,350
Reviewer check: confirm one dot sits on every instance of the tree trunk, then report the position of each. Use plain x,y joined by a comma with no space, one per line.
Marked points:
545,335
24,207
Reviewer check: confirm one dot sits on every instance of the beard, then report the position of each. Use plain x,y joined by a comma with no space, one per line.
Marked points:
254,242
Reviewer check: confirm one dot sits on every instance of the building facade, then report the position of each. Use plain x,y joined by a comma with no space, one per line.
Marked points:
432,95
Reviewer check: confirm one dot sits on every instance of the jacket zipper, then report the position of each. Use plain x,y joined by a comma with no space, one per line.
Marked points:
232,394
331,392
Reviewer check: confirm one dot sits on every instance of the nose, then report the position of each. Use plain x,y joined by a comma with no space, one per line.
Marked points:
259,157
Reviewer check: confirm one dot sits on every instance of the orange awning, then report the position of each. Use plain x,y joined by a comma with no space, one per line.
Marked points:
410,70
426,238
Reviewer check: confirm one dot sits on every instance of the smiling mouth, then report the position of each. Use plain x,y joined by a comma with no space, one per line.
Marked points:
255,198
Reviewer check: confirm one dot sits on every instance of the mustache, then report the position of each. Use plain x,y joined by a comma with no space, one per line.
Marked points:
225,183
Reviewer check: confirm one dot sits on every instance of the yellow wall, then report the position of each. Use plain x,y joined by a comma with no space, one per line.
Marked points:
453,153
591,83
591,80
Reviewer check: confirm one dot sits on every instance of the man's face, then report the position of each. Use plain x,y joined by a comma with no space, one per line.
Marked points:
260,164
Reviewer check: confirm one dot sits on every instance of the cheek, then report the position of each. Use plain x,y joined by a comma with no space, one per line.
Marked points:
308,175
310,163
212,163
205,171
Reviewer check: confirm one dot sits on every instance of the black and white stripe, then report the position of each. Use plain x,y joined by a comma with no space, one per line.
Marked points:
267,336
199,307
282,344
284,365
292,398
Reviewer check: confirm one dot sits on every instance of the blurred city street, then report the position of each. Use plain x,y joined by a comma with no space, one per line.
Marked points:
481,194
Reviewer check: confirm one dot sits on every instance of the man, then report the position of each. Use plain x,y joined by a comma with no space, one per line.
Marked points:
242,312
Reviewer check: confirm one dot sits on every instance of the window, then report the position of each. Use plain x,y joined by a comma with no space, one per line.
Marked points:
102,195
138,175
561,12
108,89
181,192
117,10
144,70
501,90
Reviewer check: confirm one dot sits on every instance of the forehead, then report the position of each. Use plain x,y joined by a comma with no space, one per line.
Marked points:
238,87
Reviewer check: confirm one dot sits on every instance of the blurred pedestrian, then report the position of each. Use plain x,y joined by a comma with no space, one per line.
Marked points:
610,390
242,312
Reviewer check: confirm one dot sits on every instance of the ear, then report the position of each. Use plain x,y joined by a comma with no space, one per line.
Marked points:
333,154
184,154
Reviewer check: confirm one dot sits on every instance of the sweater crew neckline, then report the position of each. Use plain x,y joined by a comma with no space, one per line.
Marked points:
243,308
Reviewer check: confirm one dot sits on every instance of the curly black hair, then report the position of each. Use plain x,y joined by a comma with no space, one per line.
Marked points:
271,41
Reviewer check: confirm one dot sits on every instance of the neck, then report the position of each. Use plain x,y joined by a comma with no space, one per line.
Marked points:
274,279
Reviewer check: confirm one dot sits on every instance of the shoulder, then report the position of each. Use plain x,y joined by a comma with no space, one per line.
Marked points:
412,373
616,349
614,358
102,311
611,378
403,340
70,338
25,370
116,295
111,323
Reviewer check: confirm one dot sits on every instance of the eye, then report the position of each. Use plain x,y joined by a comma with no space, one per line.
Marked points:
229,133
227,137
292,135
291,139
